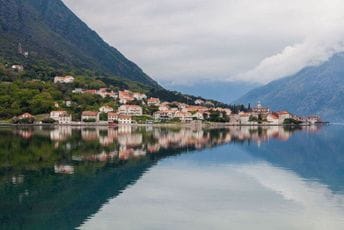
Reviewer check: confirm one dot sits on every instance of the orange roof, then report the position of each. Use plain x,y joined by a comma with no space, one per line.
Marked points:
122,116
89,113
282,112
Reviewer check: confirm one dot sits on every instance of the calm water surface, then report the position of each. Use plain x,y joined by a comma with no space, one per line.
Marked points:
158,178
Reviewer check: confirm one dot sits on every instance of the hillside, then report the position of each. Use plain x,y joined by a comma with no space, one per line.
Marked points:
313,90
57,40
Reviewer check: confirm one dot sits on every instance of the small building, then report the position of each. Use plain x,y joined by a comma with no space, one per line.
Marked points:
125,96
17,68
124,119
64,80
153,101
313,119
77,90
273,119
90,115
133,110
68,103
164,115
139,96
105,109
25,116
244,118
112,117
198,116
62,117
199,102
282,115
183,116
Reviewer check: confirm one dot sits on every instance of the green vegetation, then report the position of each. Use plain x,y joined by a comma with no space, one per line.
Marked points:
291,121
142,119
217,116
258,119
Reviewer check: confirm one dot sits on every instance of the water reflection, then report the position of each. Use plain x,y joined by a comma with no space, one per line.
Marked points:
62,177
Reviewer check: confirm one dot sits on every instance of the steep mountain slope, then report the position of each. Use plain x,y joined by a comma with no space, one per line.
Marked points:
54,36
314,90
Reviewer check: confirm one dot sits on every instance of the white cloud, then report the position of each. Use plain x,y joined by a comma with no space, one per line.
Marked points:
187,195
247,40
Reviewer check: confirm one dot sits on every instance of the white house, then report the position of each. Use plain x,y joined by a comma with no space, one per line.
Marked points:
198,116
125,96
164,115
273,119
112,117
133,110
89,115
105,109
139,96
17,68
62,117
244,118
199,102
153,101
124,119
282,115
64,80
183,116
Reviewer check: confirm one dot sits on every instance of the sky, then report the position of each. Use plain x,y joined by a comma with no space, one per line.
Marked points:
187,41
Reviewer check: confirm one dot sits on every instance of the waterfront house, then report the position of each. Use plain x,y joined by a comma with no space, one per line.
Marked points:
133,110
153,101
183,116
112,117
273,119
25,116
282,115
62,117
313,119
105,109
244,118
90,116
64,80
124,119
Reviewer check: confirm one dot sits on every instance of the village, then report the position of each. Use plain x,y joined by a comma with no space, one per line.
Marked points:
130,111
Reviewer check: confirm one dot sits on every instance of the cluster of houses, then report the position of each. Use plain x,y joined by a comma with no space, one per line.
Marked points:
263,115
167,111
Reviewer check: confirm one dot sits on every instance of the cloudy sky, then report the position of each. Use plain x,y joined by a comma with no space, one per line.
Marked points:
184,41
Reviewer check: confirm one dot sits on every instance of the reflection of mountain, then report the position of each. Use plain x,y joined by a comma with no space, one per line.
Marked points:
34,193
313,156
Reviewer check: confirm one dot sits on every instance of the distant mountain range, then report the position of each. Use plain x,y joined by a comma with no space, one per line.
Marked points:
54,36
313,90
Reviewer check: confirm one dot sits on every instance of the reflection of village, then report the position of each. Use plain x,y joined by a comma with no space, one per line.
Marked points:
129,143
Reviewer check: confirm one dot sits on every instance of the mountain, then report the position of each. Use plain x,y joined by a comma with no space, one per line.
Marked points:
313,90
221,91
55,37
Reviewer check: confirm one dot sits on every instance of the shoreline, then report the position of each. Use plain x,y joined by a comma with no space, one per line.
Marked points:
204,125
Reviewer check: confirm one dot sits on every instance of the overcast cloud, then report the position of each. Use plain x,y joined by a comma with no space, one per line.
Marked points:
182,41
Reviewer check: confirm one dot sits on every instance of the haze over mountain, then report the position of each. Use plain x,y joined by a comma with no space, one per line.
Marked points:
55,36
313,90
